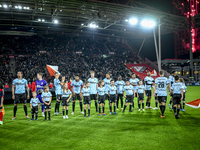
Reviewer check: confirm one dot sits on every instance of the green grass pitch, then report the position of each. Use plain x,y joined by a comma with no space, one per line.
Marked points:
136,130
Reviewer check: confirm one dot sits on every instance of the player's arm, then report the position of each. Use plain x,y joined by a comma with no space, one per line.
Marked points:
39,104
13,91
144,92
69,97
44,101
27,89
134,93
124,94
181,94
154,90
2,98
31,106
50,100
63,80
137,93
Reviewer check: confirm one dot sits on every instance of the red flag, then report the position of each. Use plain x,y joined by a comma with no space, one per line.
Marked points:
52,69
194,104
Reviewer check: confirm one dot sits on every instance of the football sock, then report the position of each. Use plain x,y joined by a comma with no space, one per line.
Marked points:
84,111
139,105
49,112
124,107
174,108
96,104
36,115
42,108
111,108
45,114
55,107
15,110
142,105
183,105
133,105
103,109
178,109
73,107
156,104
99,109
130,107
114,108
170,102
81,106
180,105
0,116
32,115
63,112
58,106
25,109
66,111
88,111
149,104
117,102
122,103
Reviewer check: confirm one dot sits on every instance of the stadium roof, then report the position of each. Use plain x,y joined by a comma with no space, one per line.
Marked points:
74,16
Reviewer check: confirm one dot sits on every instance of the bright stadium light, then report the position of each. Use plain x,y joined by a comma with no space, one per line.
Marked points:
0,5
82,24
92,25
20,7
5,6
27,7
55,21
24,7
148,23
126,20
16,7
43,20
39,19
133,21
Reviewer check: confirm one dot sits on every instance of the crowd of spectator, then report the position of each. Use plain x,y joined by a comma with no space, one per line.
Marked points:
62,51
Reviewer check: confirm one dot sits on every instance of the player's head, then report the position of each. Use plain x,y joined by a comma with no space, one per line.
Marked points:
120,78
140,82
181,80
65,86
19,74
56,74
101,83
77,78
34,93
87,84
46,88
133,76
161,72
108,75
71,79
39,75
176,78
29,82
173,73
92,73
127,82
112,82
149,73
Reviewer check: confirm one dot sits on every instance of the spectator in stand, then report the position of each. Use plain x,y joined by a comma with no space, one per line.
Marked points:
6,86
33,85
51,85
29,85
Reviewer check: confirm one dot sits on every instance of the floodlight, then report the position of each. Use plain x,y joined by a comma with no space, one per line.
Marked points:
56,21
5,6
133,21
148,23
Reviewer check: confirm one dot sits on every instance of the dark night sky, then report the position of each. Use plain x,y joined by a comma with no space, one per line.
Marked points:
167,41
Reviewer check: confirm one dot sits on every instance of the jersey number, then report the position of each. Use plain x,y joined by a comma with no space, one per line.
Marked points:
161,84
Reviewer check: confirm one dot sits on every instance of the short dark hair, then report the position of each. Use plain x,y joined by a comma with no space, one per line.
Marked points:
176,78
55,73
86,82
20,72
100,81
111,80
161,72
173,71
127,80
108,73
